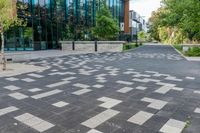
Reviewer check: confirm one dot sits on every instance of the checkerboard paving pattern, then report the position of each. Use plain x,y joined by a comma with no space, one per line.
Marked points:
102,93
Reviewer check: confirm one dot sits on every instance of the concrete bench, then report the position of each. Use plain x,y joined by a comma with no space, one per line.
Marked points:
92,46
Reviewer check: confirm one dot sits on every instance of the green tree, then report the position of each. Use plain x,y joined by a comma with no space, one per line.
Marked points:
154,24
183,14
106,27
142,36
8,19
182,17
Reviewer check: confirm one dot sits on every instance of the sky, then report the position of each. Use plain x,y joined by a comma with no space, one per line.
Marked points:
144,7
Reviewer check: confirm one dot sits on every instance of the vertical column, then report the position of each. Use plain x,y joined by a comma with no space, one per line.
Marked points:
126,16
66,10
93,11
86,12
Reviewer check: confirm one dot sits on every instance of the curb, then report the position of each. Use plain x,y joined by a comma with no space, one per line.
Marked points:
133,49
179,52
187,58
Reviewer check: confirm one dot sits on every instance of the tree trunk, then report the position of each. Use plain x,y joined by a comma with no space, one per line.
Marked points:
3,59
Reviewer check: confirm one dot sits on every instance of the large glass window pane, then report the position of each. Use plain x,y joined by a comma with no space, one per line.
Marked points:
11,40
28,38
19,39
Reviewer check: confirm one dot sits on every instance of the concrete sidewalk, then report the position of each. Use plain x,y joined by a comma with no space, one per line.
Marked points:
16,56
14,69
193,58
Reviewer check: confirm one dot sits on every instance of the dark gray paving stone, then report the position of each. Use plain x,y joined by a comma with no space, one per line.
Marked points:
68,119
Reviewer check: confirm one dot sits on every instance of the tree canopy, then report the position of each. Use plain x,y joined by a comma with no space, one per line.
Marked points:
176,20
8,17
106,26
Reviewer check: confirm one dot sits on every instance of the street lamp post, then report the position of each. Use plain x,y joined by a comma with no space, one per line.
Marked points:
136,33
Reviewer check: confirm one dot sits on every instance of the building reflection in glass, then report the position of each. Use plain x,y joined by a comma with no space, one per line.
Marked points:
49,21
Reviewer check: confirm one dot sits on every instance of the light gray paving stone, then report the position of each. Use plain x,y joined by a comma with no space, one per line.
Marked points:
173,78
101,75
130,69
100,78
84,86
60,104
54,70
157,105
12,79
28,80
18,96
46,94
69,78
35,75
141,75
173,126
94,131
81,92
197,92
125,90
154,72
166,84
34,122
166,88
12,88
154,103
141,88
61,73
131,72
100,118
24,117
98,86
108,102
197,110
159,74
191,78
177,89
43,126
8,110
140,118
102,81
57,84
146,99
84,73
140,80
152,80
34,90
124,82
113,74
163,89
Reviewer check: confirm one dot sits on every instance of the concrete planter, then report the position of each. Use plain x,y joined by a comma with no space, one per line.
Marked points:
66,45
92,46
185,47
84,46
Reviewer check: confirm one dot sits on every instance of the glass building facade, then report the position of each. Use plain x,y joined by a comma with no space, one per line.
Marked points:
50,21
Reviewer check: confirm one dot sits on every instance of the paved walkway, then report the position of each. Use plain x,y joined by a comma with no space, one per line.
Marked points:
148,90
19,56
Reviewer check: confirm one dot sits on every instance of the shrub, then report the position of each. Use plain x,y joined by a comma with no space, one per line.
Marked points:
194,51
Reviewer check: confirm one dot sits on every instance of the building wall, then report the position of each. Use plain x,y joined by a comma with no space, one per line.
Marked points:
52,20
126,17
137,23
